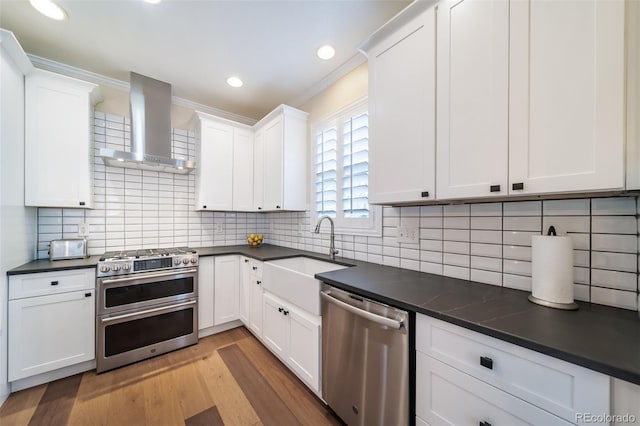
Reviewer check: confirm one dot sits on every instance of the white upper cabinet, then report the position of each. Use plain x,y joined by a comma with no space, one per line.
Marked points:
58,142
567,96
224,176
281,144
258,171
473,98
242,169
402,108
633,95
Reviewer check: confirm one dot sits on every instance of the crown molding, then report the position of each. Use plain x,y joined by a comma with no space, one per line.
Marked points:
12,46
102,80
354,62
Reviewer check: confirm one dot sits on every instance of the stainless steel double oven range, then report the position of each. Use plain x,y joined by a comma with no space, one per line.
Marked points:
147,304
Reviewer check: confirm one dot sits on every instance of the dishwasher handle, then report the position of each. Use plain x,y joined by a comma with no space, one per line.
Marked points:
362,313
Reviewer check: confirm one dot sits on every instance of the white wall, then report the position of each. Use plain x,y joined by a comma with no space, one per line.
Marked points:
17,223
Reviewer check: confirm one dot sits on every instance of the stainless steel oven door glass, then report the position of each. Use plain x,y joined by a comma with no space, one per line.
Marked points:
143,290
134,336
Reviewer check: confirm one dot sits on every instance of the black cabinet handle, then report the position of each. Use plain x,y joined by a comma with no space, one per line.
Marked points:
87,295
486,362
286,312
494,188
82,203
258,282
255,268
425,194
277,207
204,207
259,208
483,423
246,261
280,309
517,186
54,282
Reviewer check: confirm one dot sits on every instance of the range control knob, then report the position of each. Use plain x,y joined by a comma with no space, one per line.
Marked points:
115,268
126,267
105,268
194,260
185,261
176,261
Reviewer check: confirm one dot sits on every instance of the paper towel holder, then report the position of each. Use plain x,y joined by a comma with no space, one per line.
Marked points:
565,306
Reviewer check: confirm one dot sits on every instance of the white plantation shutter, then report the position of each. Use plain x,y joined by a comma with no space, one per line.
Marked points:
340,161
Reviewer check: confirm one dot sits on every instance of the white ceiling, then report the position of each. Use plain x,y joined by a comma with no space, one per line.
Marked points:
196,45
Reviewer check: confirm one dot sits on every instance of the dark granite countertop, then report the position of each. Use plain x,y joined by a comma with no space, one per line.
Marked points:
598,337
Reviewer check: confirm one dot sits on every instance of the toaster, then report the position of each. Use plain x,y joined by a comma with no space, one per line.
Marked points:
72,248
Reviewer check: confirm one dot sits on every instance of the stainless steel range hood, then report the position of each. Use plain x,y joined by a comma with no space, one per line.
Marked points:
150,130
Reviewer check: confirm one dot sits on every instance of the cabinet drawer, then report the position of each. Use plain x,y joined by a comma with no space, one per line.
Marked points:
256,268
446,396
556,386
44,283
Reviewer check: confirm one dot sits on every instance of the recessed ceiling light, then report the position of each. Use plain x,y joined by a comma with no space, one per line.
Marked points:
49,9
326,52
152,1
234,82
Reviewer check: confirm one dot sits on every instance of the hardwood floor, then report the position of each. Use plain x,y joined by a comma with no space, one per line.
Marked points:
226,379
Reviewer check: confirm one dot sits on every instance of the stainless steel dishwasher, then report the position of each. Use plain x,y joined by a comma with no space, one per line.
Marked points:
365,359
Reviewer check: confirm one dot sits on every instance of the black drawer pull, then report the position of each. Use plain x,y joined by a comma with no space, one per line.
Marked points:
494,188
82,203
54,282
259,208
258,282
486,362
483,423
424,194
277,207
517,186
246,261
204,207
286,312
280,309
255,268
87,295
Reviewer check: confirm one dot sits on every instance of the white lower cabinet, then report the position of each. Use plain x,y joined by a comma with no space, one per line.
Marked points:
250,311
205,292
52,330
464,377
294,336
446,396
245,290
226,289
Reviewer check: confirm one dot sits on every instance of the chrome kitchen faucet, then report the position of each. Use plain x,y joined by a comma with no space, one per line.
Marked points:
332,244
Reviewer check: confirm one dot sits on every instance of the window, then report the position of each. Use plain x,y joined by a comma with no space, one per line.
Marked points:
340,164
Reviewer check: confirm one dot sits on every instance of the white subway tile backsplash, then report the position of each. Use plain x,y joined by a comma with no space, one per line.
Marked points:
456,210
456,222
617,298
614,225
486,263
486,277
516,252
490,223
490,237
486,250
614,261
613,206
614,279
518,282
456,259
566,207
456,247
566,224
456,235
456,272
615,243
521,223
523,208
486,209
518,238
517,267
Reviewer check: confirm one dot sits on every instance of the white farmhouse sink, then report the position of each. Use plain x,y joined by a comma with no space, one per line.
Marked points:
292,279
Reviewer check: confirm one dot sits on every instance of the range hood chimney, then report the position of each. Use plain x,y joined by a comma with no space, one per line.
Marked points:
150,102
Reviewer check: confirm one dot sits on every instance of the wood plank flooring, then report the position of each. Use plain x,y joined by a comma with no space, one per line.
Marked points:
226,379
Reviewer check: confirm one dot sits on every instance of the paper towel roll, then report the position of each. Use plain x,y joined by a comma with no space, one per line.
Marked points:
552,268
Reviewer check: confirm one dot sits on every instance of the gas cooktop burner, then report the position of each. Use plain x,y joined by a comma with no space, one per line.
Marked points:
145,253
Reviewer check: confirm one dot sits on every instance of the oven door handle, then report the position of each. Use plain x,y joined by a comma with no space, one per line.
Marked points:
145,276
148,311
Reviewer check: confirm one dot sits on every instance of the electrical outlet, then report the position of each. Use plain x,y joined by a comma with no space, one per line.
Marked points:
218,228
408,234
300,228
83,230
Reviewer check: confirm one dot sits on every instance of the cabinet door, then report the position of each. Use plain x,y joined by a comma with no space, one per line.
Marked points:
276,326
473,98
255,314
304,350
566,96
50,332
227,293
205,292
215,171
242,169
258,171
402,111
446,396
57,141
245,290
273,163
